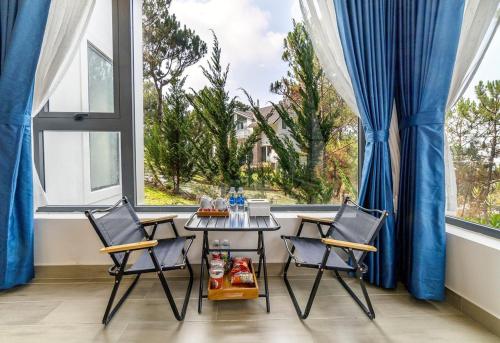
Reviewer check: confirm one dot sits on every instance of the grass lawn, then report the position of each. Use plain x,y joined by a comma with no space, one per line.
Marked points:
157,197
154,196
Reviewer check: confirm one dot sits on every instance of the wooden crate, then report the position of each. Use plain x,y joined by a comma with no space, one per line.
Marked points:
230,292
203,213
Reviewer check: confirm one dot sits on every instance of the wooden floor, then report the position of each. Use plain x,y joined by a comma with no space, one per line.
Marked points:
70,310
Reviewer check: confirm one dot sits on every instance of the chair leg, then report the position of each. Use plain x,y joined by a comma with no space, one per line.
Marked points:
312,295
179,316
108,314
368,308
319,275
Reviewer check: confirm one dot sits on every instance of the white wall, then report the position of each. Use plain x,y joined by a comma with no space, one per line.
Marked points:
55,232
472,269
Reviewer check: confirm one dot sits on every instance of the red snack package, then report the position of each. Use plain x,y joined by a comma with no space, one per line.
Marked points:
242,278
240,265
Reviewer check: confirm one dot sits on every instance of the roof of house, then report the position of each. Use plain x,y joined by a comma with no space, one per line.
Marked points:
267,111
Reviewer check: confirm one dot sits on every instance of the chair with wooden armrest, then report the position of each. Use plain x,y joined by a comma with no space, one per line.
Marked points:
349,239
122,233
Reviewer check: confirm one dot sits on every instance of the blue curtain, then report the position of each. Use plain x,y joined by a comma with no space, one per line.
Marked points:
22,24
367,33
428,33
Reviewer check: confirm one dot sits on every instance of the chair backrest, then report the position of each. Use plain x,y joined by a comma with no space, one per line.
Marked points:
117,225
356,224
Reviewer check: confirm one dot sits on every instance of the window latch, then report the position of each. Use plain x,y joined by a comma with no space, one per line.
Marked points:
80,116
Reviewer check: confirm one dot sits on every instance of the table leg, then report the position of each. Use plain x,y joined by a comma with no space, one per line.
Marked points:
203,259
264,265
259,248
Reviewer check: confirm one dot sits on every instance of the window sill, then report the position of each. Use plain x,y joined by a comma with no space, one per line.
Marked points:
475,237
473,227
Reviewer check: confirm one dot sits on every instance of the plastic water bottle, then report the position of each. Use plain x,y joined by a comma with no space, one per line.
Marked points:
232,199
240,200
216,255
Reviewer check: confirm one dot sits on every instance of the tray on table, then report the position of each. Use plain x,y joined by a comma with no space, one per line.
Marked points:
230,292
207,213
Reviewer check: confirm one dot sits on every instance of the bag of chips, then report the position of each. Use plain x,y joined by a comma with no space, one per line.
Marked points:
240,272
242,279
240,265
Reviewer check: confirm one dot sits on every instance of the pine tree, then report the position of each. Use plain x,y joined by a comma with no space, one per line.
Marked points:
473,128
168,149
168,47
216,110
301,159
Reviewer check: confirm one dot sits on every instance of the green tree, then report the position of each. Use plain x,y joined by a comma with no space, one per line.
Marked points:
474,132
216,110
168,151
168,47
310,121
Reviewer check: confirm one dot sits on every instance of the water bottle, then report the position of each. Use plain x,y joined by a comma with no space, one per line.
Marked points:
216,255
240,200
232,199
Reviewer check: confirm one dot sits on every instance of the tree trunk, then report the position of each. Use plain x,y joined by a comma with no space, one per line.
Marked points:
159,105
177,182
491,163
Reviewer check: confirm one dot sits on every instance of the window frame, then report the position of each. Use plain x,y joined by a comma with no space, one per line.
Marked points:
123,121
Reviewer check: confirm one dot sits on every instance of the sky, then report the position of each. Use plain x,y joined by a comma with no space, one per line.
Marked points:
489,69
251,34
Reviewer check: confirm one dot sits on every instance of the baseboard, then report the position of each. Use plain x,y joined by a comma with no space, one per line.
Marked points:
473,311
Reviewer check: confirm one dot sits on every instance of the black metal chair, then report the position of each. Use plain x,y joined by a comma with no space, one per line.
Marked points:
121,232
351,235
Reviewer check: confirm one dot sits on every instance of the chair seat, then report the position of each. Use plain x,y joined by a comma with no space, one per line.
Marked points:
310,251
168,252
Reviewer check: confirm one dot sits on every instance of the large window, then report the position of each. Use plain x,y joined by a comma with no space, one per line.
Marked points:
227,103
473,128
165,121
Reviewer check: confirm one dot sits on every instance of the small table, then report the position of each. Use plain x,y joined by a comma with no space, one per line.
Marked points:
236,222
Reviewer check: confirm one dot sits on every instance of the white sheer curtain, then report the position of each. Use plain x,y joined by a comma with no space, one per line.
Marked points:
65,27
321,23
478,28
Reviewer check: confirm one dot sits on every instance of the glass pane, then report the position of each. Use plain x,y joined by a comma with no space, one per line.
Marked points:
474,138
194,145
104,159
82,168
87,84
100,81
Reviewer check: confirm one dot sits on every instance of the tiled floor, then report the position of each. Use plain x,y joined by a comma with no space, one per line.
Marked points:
70,310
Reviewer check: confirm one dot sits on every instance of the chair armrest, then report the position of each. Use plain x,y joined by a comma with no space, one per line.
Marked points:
129,246
315,219
349,245
161,220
